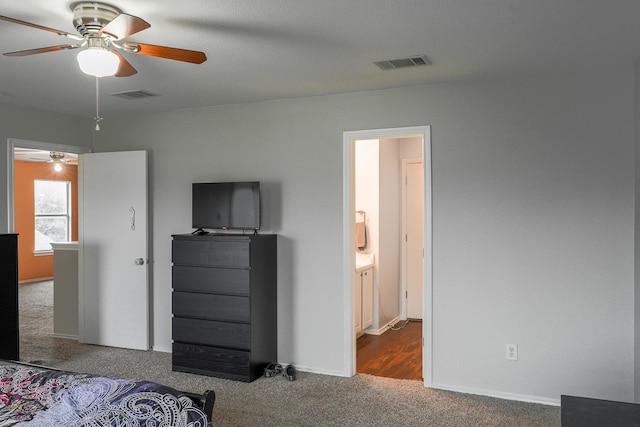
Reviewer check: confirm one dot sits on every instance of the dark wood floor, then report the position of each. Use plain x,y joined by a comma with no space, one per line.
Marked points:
394,354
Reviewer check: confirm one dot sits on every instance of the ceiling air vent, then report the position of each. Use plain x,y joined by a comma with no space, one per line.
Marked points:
134,94
413,61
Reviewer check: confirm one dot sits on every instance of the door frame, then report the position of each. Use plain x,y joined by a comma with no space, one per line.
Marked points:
12,144
348,273
404,256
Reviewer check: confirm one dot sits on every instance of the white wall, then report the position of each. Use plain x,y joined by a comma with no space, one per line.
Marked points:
367,199
410,148
367,193
637,234
533,220
390,231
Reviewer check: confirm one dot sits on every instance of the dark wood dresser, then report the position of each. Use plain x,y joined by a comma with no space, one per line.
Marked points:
9,339
224,304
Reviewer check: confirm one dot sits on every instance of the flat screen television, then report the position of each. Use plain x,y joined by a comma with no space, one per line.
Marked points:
226,206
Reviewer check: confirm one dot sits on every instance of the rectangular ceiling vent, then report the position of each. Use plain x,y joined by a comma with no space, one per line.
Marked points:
413,61
134,94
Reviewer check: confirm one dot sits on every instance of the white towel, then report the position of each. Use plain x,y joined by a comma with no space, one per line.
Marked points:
361,231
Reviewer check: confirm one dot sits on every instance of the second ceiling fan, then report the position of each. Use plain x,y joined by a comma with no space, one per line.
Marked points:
101,29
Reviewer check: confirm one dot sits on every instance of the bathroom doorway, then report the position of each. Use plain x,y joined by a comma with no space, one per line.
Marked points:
385,233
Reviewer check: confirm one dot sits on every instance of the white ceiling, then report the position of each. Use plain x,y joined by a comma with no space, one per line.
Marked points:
276,49
33,155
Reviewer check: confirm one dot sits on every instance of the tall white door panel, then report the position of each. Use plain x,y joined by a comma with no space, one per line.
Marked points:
113,250
414,239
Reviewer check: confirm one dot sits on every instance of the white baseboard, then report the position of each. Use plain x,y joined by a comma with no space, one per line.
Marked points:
383,329
161,349
65,336
499,395
464,390
302,368
40,279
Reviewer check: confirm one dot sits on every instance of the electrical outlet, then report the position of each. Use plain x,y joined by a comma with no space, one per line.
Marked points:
512,352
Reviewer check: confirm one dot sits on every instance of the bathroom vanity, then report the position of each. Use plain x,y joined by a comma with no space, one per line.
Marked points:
363,284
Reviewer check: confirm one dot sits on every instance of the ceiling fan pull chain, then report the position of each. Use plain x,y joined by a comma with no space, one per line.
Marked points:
98,119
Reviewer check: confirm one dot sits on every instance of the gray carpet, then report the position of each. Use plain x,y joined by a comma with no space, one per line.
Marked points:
312,400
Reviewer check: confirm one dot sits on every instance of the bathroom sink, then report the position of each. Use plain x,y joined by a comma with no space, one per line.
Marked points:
363,261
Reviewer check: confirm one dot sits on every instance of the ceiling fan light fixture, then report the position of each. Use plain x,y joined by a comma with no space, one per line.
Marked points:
98,62
57,158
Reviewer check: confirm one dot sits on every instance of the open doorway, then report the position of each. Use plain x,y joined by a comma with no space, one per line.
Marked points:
395,351
388,307
31,167
389,244
102,178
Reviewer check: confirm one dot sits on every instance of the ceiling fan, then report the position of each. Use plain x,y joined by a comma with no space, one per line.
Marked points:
102,28
58,159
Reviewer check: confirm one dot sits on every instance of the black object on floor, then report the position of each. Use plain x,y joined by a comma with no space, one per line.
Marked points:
289,373
272,370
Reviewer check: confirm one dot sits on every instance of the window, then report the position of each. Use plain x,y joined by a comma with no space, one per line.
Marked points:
52,213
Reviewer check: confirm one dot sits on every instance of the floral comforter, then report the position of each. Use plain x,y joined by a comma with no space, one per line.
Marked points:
36,397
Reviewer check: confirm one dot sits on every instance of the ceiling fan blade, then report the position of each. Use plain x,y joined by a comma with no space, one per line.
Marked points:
41,50
40,27
184,55
125,69
124,25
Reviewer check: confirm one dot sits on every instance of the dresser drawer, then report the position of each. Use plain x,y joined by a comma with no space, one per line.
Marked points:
203,359
213,333
211,306
215,253
211,279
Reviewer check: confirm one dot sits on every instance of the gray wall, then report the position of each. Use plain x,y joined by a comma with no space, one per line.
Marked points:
36,125
533,225
533,221
533,218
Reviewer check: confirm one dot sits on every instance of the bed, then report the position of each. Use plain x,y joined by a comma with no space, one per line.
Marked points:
45,397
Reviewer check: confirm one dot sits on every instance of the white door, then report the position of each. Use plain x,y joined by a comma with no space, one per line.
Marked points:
113,258
414,213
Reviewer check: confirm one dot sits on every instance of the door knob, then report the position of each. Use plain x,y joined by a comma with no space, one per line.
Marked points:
139,261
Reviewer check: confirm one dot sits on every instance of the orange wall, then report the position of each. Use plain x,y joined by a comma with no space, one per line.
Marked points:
29,266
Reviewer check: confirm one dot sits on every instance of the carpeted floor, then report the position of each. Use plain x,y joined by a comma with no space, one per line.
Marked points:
312,400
